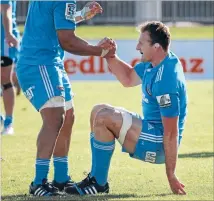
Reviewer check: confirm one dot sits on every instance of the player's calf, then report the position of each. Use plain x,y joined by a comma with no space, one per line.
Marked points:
7,93
8,97
60,155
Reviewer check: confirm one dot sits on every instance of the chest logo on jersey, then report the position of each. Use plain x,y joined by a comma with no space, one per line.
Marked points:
164,100
70,11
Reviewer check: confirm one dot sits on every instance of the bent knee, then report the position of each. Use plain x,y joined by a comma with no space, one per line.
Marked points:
95,111
104,116
98,108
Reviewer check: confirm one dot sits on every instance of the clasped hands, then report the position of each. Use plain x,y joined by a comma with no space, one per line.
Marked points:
109,47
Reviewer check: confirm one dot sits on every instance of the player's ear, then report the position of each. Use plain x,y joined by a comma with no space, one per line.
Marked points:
156,45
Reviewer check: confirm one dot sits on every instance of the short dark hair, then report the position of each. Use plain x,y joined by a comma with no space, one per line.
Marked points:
159,33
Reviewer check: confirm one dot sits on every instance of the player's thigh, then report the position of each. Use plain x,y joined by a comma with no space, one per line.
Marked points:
130,129
149,147
7,63
132,135
67,88
6,69
40,84
125,125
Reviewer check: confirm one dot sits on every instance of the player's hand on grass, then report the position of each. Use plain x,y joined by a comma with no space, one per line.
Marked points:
91,9
176,186
11,40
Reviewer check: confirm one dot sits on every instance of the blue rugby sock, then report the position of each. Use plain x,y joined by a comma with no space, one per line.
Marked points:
8,120
42,169
92,153
102,153
61,169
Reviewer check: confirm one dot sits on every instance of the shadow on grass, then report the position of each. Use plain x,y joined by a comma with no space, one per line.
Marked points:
197,155
77,198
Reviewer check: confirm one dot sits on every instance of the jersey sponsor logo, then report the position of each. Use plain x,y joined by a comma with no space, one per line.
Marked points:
150,157
70,11
29,93
164,100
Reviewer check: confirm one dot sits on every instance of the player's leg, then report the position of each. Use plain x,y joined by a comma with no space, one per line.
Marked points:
1,118
141,139
94,112
15,82
40,86
14,54
52,118
60,155
108,124
7,93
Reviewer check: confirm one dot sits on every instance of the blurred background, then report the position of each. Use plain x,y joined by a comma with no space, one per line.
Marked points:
133,12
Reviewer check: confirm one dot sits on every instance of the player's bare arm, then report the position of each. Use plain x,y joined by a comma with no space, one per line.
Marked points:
70,42
124,72
6,12
74,44
171,153
88,11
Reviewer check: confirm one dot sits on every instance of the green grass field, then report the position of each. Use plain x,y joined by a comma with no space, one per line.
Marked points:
129,179
129,32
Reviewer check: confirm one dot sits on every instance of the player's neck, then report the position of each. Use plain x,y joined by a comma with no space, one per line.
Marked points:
158,58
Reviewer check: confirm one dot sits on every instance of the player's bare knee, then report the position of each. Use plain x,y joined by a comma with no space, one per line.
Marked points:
95,111
53,113
98,108
54,120
103,117
7,86
101,122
